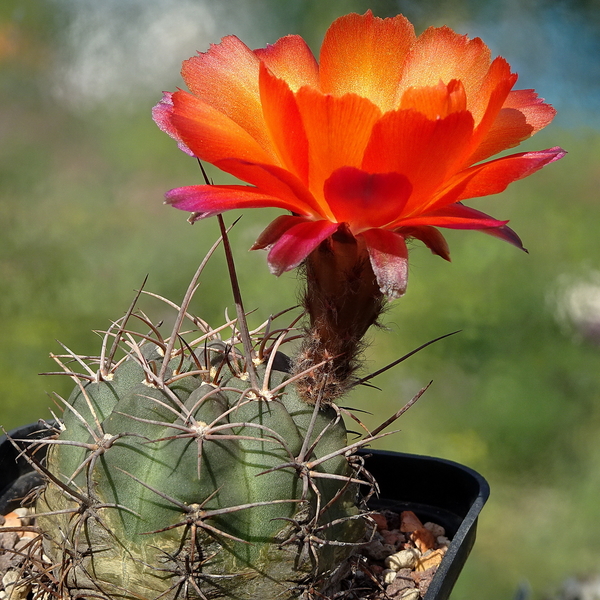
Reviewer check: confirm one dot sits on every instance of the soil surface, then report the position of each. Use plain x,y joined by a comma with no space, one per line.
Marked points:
399,561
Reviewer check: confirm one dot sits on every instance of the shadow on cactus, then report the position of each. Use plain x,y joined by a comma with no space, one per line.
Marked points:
187,467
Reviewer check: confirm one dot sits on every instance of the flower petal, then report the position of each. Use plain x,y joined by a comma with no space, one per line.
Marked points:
365,200
276,229
363,54
161,113
440,54
522,114
337,129
290,59
507,234
436,102
212,135
426,151
431,237
487,100
458,216
536,111
284,123
494,176
226,78
389,260
508,130
209,200
274,181
455,216
487,105
297,242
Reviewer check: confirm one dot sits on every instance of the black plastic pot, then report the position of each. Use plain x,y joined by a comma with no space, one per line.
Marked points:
436,490
17,477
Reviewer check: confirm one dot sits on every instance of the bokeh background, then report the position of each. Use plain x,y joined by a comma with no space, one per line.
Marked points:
516,394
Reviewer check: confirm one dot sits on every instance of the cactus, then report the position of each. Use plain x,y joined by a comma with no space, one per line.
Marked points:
188,468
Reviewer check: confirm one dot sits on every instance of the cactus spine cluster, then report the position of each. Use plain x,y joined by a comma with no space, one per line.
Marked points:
188,468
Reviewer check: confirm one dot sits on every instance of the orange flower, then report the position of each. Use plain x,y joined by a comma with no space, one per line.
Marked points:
381,141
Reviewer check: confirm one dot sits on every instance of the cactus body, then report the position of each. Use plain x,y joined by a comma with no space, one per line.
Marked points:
197,486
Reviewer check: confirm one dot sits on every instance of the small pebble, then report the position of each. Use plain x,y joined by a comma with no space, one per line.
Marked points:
378,550
423,579
405,559
436,529
394,538
17,518
388,575
10,577
423,539
412,594
15,591
401,583
12,519
380,521
431,559
409,522
8,539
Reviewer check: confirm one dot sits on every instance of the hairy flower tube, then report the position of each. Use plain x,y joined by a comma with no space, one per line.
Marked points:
379,142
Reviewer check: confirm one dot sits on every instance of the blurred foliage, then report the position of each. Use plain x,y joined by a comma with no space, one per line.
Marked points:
515,394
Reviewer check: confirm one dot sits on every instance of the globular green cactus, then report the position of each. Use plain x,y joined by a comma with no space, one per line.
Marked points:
192,469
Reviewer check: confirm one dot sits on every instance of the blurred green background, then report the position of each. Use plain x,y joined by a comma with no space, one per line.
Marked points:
515,395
